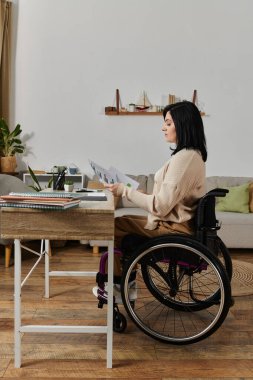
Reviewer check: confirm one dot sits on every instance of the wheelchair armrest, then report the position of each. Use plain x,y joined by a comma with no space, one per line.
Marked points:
217,193
212,194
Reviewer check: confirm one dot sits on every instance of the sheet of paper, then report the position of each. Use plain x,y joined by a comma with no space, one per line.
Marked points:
103,175
122,178
112,175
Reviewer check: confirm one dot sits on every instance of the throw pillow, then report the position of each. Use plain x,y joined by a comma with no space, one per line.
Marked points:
251,197
237,200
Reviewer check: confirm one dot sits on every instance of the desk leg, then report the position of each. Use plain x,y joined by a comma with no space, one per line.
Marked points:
17,304
110,306
47,248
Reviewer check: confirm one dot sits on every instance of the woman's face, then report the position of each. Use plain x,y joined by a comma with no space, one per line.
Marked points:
169,129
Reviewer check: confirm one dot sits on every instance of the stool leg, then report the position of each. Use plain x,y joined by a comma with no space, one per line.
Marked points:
95,249
8,249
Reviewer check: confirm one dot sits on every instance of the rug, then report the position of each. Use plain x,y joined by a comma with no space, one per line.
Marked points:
242,279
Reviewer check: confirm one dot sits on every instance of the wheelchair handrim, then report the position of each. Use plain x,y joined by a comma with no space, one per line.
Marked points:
145,328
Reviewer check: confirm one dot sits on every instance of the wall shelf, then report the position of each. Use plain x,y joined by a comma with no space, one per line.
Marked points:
138,113
116,111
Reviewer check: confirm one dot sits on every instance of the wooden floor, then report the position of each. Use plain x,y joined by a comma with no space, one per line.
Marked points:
226,354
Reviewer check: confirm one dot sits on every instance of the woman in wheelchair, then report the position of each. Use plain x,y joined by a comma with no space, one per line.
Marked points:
173,286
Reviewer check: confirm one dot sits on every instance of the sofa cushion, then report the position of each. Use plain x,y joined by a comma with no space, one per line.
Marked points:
234,218
142,179
237,200
225,181
236,229
251,197
150,183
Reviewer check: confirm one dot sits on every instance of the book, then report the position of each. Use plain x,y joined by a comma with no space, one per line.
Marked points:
45,194
112,175
41,202
15,198
44,206
49,201
95,197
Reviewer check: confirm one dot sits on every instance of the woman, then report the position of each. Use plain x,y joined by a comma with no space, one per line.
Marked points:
179,184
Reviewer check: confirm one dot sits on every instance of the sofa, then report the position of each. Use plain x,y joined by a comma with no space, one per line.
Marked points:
236,227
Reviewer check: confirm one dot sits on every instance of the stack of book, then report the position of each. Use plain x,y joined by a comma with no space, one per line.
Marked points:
40,200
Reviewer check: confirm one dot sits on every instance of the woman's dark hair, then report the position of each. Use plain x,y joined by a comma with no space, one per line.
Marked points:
189,127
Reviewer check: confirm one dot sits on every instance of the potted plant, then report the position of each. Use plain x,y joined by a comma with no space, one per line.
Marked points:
69,185
10,144
36,185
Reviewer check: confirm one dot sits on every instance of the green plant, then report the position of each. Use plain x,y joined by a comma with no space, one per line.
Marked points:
10,144
36,185
69,182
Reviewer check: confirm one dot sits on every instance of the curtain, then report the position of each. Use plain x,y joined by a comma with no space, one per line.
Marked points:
5,57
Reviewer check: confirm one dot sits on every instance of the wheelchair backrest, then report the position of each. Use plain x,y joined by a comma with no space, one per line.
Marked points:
205,217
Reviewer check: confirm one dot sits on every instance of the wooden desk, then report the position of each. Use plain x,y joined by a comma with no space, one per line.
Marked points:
92,220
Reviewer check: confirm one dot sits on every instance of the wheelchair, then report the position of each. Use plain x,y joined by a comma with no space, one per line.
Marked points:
176,288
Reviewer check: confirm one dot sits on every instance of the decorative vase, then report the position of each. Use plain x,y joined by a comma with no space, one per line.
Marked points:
131,107
69,188
8,164
58,181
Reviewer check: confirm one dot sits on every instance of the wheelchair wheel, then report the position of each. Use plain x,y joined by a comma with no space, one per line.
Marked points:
224,256
183,291
218,248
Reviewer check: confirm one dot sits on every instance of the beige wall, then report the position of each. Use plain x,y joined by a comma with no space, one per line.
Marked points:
72,55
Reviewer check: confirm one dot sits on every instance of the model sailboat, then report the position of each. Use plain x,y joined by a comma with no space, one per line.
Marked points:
143,103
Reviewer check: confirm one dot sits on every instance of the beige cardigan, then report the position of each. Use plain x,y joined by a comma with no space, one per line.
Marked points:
178,186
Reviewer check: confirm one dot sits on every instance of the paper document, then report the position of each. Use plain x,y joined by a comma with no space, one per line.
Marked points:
112,175
95,194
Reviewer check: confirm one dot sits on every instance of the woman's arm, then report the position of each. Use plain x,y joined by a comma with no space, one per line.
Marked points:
179,179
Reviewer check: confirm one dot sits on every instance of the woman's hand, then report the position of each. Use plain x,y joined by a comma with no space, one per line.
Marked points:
113,187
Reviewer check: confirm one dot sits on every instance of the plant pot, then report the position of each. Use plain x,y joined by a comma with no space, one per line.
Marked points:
69,188
8,164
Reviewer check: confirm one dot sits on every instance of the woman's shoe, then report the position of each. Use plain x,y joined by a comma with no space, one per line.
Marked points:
102,294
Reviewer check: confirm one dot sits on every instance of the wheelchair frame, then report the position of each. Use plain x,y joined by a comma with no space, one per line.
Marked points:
183,291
